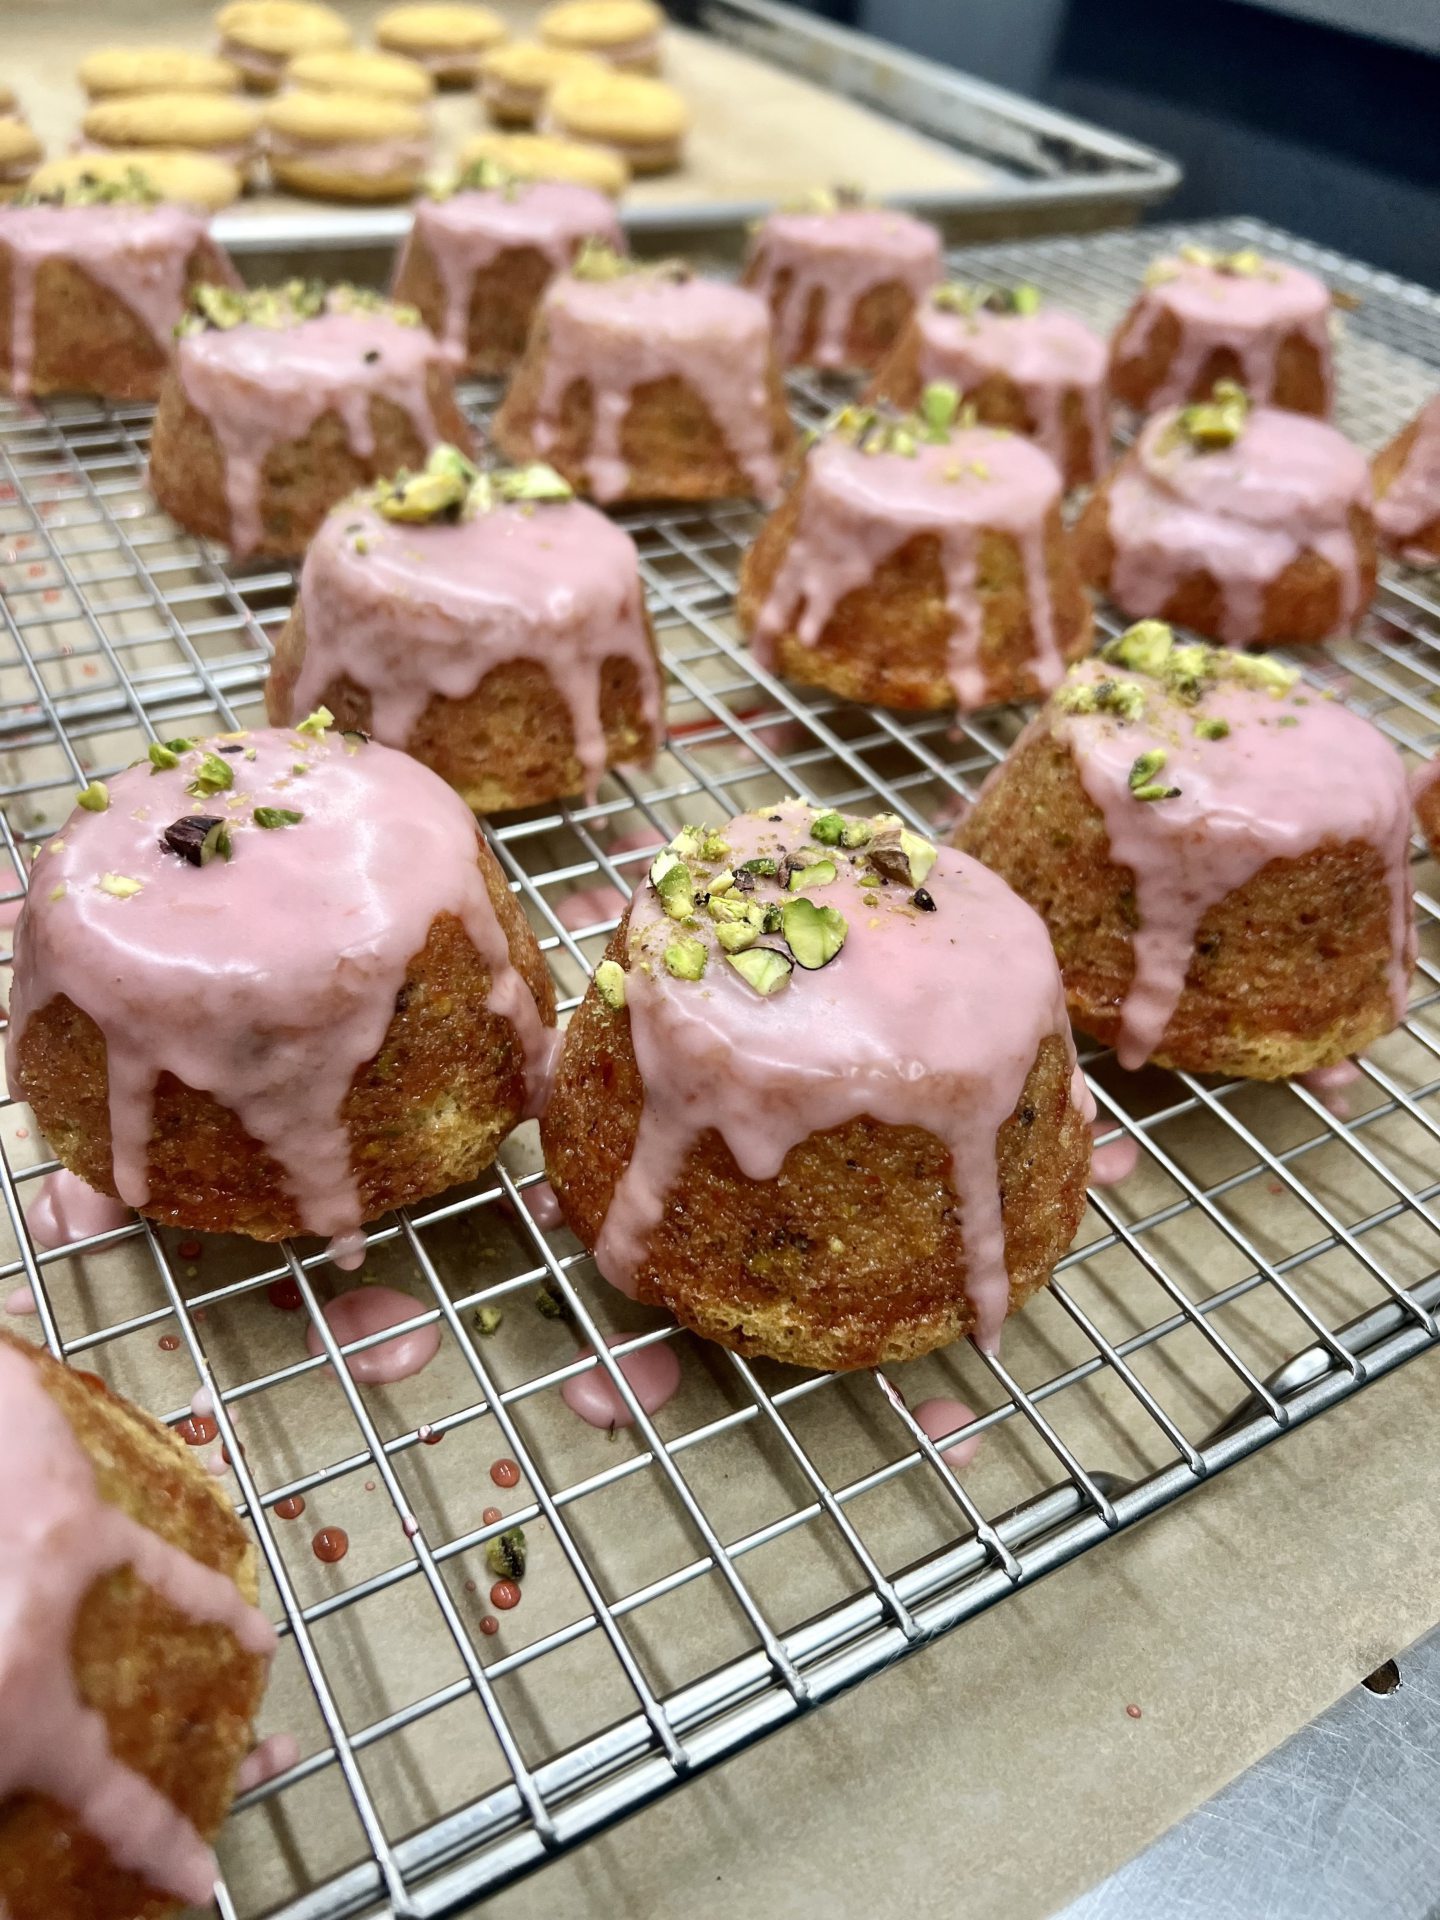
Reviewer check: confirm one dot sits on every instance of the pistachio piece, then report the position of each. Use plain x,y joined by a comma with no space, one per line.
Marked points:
762,968
95,798
486,1321
939,407
856,833
316,723
415,498
675,885
813,934
1210,727
924,900
272,817
722,882
120,885
1024,299
214,775
828,829
535,482
1146,766
820,874
685,958
162,758
610,983
505,1554
731,908
736,935
1144,648
1218,421
597,260
688,843
764,868
1261,670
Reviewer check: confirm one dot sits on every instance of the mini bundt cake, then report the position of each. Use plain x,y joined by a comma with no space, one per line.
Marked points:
820,1101
1206,316
132,1657
1220,854
649,384
275,982
842,280
1252,526
1407,490
1018,363
480,255
1426,791
492,625
917,563
93,281
279,403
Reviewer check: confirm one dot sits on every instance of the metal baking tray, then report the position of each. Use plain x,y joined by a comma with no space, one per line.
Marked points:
771,1537
1043,171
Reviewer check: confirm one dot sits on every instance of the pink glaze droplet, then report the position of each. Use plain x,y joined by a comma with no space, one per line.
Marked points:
347,1250
505,1473
1115,1161
653,1374
1332,1086
331,1544
66,1210
504,1595
272,1757
291,1507
935,1418
491,1515
367,1310
20,1303
542,1206
489,1624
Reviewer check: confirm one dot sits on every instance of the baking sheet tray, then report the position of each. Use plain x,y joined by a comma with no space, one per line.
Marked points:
770,1538
782,102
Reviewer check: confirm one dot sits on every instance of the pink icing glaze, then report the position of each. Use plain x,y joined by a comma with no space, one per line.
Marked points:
1048,355
1264,792
140,254
1332,1086
272,1757
936,1418
467,234
261,387
1117,1160
621,334
841,256
922,1019
368,1310
859,508
1248,314
1243,512
653,1374
67,1210
57,1538
269,979
543,1208
1412,500
429,610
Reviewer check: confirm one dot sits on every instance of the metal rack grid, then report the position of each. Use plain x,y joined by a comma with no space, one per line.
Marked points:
772,1537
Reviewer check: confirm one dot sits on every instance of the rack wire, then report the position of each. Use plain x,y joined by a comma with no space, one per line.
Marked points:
701,1575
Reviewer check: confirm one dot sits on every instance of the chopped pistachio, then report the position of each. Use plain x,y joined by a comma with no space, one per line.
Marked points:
675,885
1144,648
162,758
487,1320
1218,421
1210,727
57,892
213,775
119,884
1262,670
316,723
95,798
732,909
764,868
901,855
550,1302
182,745
685,958
736,935
687,844
714,846
828,829
762,968
535,482
1156,790
820,874
597,260
505,1554
939,408
1025,299
856,834
199,838
722,882
272,817
1146,766
813,934
770,919
610,983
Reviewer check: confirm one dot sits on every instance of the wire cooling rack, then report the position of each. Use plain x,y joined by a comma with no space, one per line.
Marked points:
699,1576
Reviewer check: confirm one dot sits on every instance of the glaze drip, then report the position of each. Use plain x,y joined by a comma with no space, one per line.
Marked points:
268,979
260,387
924,1018
1412,500
1248,314
58,1537
140,254
1047,355
415,612
66,1210
619,334
1292,773
857,508
1243,513
840,256
468,232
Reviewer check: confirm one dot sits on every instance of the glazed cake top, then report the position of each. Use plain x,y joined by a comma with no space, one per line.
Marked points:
1011,331
241,912
799,968
1268,467
1243,289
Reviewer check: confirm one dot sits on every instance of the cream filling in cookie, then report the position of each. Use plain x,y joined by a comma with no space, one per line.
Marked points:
368,159
240,154
266,67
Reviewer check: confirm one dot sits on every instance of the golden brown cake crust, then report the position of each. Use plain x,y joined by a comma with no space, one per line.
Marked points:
301,479
430,1109
1289,972
1427,812
1303,603
852,1256
179,1698
886,642
511,743
1299,384
672,446
1385,471
503,300
86,339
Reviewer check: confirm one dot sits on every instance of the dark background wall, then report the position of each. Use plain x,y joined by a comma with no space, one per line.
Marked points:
1331,132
